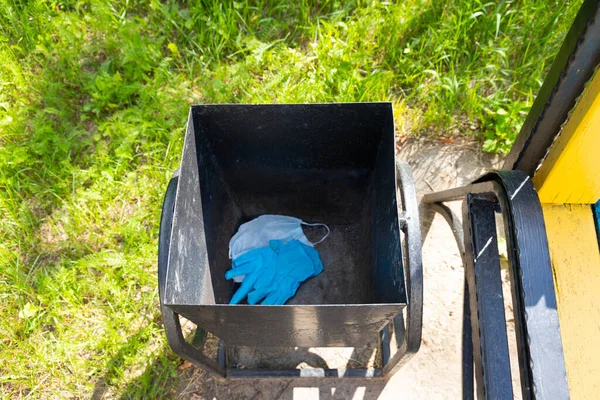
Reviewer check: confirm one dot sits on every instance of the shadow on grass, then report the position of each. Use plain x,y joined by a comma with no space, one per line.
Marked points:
290,21
158,380
417,29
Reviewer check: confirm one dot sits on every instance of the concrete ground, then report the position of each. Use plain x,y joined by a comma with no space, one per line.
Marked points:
435,372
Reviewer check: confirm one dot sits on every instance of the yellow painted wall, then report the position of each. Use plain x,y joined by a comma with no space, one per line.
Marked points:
576,266
571,171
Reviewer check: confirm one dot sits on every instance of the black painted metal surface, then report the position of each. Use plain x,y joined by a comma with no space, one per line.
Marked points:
482,266
541,360
302,326
371,373
332,163
540,344
407,335
170,318
329,163
572,68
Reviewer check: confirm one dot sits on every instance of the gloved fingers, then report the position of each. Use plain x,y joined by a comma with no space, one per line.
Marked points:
257,295
279,296
266,283
271,299
244,289
275,272
257,256
268,279
282,298
287,292
316,260
240,270
246,258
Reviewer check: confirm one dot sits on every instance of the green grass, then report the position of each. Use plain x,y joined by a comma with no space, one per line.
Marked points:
93,101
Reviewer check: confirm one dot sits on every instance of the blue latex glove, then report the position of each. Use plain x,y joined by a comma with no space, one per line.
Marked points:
259,267
295,263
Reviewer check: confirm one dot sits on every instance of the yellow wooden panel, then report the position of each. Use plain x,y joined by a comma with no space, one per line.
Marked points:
576,265
571,172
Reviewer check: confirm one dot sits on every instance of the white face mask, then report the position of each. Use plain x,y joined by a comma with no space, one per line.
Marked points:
258,232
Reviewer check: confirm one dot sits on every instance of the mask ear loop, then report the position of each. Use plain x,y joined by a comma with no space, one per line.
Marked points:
318,224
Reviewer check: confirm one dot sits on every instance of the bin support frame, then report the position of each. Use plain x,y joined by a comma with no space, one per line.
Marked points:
407,334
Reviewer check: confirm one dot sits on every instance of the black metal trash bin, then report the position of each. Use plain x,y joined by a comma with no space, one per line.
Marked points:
329,163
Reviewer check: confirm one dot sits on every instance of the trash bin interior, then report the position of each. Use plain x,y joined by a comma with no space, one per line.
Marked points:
327,163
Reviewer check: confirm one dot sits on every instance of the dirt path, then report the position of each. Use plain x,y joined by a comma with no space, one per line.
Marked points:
435,372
